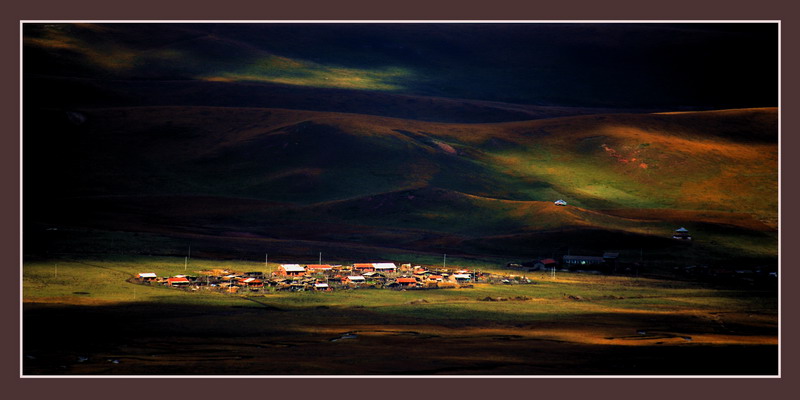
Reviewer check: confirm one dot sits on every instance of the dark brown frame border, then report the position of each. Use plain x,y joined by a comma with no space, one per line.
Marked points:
651,388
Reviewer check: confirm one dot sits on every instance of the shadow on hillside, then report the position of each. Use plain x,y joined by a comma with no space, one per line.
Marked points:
250,339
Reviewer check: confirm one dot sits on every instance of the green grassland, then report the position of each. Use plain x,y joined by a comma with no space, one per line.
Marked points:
107,280
562,325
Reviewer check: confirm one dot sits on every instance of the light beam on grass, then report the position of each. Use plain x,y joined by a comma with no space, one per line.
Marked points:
288,71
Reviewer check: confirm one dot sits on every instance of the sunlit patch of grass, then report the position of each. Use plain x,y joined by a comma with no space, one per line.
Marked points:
288,71
105,279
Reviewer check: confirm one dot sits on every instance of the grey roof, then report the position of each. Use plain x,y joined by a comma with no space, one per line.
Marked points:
583,258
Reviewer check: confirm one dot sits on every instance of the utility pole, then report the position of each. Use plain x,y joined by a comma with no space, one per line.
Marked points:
266,260
320,258
444,262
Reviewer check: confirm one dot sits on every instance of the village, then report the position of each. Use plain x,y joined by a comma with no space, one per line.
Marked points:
387,275
326,277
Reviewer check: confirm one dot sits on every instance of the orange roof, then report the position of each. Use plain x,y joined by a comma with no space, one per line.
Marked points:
318,266
406,280
177,280
361,266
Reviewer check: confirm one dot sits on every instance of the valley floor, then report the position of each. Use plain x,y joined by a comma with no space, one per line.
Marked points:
571,325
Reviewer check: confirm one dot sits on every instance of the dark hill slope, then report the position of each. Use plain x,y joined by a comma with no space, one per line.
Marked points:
70,93
374,181
602,65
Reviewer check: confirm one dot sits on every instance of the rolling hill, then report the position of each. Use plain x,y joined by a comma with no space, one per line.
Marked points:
340,180
385,140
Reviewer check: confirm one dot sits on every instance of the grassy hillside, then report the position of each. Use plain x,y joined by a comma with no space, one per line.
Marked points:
349,180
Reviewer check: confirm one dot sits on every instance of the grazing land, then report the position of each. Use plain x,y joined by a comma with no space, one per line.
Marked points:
570,324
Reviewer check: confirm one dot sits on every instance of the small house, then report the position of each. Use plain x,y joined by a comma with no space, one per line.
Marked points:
322,287
252,282
462,278
318,268
385,267
178,281
147,276
682,234
363,267
375,276
545,264
437,278
355,279
291,270
560,202
406,282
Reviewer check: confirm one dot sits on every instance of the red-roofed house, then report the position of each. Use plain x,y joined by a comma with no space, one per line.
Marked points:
363,267
314,268
252,282
546,263
353,279
178,281
407,281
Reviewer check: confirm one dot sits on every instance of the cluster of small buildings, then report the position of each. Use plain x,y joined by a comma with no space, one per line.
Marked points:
326,277
607,262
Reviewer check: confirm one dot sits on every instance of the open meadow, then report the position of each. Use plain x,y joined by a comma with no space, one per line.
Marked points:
85,316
